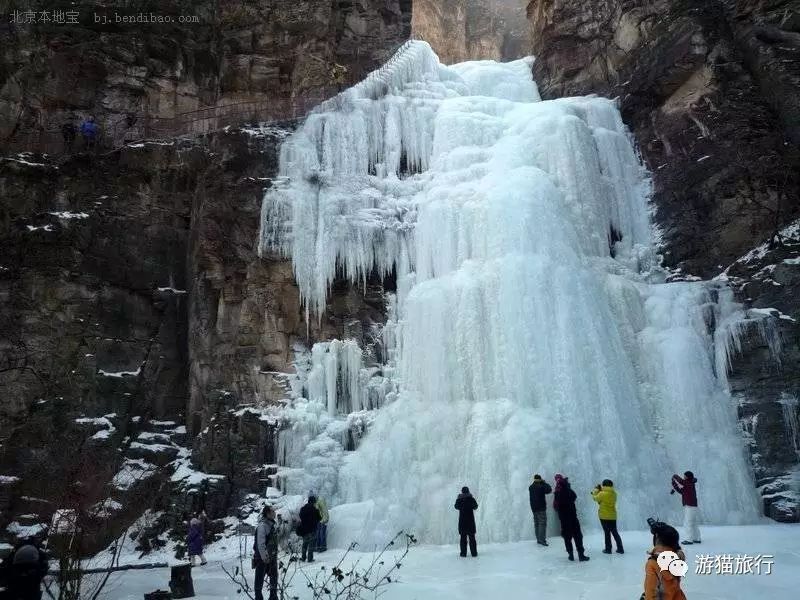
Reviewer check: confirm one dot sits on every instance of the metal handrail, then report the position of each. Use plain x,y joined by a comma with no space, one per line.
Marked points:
49,140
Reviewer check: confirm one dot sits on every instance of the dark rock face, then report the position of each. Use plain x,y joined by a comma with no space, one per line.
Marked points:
132,301
276,51
710,91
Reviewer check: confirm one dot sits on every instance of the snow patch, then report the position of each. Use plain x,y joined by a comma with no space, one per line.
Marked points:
66,215
119,374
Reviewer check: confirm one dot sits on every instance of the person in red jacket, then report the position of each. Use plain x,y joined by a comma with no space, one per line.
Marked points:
686,487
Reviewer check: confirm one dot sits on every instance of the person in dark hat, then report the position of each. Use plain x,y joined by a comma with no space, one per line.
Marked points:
466,505
564,502
309,522
23,571
537,492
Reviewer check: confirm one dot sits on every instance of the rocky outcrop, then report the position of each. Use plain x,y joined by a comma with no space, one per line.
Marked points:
460,30
130,286
710,91
227,53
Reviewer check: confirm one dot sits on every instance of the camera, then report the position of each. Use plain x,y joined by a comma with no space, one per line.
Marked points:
654,524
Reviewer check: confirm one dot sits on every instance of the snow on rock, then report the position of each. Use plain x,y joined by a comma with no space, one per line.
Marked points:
188,476
67,215
151,437
25,531
107,508
770,312
791,232
40,228
135,373
532,329
132,472
22,161
105,428
64,521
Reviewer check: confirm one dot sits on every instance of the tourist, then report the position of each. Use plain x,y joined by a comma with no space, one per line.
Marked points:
564,503
89,131
659,582
322,529
195,539
309,522
68,133
466,505
537,492
265,554
23,571
687,488
606,497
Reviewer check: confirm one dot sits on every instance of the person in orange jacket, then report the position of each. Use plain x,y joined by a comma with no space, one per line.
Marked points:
662,584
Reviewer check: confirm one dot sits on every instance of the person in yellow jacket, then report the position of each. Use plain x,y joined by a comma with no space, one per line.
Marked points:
322,528
606,496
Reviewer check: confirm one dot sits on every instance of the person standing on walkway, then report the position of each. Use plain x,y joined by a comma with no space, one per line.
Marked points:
564,502
195,539
537,492
686,486
68,133
466,505
606,497
265,556
322,529
89,131
309,522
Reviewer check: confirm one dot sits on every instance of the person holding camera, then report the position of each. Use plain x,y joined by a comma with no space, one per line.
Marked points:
466,505
606,497
537,492
686,487
265,554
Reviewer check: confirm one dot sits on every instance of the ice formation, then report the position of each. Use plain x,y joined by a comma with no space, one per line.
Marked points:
532,330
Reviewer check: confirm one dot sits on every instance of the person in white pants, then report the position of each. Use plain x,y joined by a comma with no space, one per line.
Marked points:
686,487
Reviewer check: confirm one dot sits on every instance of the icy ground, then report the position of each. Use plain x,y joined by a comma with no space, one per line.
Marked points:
522,570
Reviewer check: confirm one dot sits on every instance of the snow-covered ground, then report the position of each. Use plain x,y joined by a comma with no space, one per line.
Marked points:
524,570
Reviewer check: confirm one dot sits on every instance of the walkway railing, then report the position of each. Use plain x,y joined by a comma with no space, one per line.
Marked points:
47,138
141,126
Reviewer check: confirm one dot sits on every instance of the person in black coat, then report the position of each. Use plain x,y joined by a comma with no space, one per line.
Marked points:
564,503
466,506
537,492
23,571
309,522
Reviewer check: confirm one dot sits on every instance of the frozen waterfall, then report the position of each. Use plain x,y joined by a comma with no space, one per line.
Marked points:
533,328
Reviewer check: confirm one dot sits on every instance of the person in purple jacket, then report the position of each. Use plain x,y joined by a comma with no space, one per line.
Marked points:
195,538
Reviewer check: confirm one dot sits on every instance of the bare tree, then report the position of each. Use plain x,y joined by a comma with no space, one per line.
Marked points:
349,579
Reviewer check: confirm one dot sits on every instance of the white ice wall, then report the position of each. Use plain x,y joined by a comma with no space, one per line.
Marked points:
522,345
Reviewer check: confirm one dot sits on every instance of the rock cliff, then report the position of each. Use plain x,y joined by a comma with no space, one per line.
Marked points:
460,30
136,318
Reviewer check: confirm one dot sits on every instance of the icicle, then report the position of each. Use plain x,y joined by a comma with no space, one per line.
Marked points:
519,339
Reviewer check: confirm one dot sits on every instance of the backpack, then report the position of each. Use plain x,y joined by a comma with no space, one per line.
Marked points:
660,587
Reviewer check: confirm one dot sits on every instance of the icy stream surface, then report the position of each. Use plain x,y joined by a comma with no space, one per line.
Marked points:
531,332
